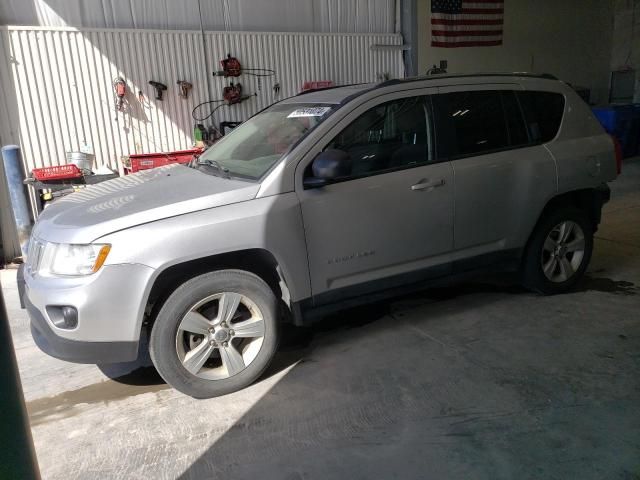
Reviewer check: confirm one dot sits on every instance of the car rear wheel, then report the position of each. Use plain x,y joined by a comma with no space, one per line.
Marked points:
215,334
559,251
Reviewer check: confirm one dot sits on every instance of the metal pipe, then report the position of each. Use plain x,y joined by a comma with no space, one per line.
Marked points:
14,177
17,455
205,56
409,27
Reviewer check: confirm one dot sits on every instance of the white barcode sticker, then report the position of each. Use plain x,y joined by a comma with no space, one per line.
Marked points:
309,112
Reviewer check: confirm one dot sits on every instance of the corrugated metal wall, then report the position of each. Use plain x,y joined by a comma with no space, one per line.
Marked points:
334,16
296,58
58,96
63,81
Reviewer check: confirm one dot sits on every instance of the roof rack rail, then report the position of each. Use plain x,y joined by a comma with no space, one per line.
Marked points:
396,81
386,83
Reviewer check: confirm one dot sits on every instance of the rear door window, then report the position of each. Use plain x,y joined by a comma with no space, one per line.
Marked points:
543,114
476,121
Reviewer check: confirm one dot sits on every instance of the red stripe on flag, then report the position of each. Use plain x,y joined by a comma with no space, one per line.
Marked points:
442,21
465,33
483,11
492,43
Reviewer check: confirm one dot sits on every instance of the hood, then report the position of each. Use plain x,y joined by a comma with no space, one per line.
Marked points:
135,199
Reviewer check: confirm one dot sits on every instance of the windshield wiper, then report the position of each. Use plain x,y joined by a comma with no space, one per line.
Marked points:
212,163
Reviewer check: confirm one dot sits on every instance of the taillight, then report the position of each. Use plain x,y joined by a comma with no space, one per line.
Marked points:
618,149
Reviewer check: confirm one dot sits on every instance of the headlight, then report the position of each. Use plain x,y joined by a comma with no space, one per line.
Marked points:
72,260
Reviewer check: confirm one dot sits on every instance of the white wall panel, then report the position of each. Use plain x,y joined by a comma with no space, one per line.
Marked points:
337,16
58,83
63,81
296,58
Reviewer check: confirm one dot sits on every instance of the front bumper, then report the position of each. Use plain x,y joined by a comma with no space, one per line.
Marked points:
76,351
110,307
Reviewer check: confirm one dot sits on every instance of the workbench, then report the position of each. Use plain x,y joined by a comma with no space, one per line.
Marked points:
49,190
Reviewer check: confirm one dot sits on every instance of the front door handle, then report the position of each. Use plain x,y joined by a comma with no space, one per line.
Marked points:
426,184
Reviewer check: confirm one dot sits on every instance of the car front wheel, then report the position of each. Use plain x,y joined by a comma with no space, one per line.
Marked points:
215,334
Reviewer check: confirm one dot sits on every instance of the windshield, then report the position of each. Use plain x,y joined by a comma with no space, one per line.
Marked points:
254,147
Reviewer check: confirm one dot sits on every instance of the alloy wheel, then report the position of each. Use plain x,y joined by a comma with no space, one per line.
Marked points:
220,336
563,251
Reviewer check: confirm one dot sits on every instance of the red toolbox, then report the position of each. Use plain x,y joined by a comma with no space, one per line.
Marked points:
145,161
317,85
57,172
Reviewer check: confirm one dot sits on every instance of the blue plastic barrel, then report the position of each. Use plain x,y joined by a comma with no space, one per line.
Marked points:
12,162
621,122
606,116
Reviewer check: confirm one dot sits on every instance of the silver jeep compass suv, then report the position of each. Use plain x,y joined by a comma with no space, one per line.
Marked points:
320,201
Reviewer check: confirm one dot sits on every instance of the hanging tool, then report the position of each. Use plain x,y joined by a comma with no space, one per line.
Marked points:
232,93
120,87
160,87
184,88
231,67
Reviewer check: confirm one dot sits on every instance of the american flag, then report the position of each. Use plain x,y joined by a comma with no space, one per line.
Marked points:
466,23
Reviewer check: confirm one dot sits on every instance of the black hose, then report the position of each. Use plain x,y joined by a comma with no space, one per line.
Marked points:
259,72
193,112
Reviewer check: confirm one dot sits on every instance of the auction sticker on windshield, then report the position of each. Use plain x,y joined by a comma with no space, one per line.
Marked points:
309,112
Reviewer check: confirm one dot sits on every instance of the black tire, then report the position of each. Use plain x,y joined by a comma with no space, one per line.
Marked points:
533,276
162,342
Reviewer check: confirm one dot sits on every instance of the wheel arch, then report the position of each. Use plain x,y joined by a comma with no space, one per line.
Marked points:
589,200
258,261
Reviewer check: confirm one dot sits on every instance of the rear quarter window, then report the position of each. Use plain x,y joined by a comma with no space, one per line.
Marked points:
543,114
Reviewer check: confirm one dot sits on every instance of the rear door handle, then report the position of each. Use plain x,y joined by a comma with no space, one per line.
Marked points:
426,184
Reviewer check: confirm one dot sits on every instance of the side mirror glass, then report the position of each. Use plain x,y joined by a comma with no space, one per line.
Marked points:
327,167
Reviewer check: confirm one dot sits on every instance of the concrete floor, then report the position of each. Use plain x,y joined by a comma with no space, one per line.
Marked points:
478,381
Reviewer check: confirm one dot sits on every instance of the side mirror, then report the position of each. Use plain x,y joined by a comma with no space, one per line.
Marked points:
328,166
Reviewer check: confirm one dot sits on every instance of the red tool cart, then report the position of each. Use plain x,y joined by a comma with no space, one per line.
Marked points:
145,161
